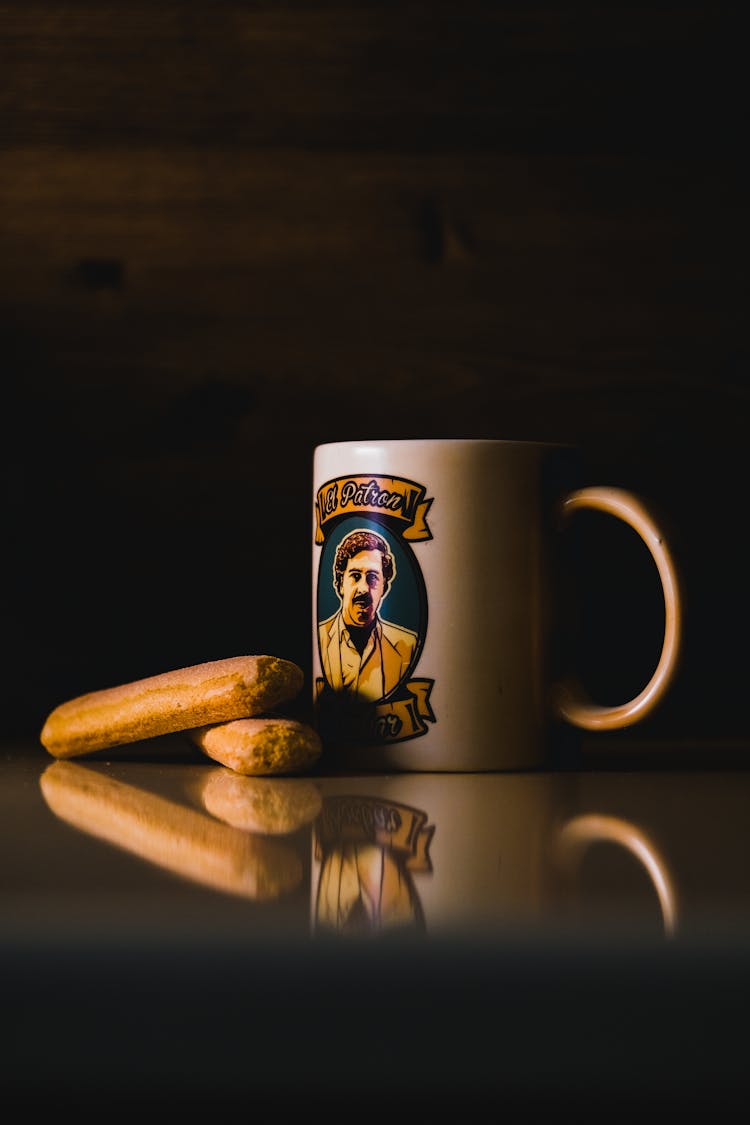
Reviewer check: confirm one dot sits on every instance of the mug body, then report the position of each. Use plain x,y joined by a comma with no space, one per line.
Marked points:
435,601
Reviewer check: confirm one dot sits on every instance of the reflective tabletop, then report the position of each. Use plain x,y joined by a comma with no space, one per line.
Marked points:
177,938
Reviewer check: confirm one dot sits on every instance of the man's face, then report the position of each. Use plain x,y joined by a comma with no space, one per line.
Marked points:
362,588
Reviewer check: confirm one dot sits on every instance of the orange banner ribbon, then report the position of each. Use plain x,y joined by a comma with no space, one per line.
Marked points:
399,500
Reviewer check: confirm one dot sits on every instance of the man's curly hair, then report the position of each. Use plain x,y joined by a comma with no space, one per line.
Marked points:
358,541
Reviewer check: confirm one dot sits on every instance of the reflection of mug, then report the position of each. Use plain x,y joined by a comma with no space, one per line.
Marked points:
578,833
437,624
466,854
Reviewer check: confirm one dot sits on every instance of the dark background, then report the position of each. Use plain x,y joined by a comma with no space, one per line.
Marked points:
231,231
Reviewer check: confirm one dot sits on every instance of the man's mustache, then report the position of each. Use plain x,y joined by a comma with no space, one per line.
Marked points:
362,599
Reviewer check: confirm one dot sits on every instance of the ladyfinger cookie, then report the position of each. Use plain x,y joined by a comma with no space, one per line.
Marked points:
215,692
260,746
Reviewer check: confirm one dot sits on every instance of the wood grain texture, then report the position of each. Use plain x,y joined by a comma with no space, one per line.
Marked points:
269,269
526,76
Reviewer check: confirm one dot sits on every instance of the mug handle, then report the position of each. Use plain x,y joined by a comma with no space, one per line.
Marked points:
575,836
571,703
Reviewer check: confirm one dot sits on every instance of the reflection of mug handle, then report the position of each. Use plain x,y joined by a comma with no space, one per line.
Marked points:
571,702
593,827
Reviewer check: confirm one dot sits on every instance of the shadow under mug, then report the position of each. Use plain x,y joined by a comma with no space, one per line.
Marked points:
438,603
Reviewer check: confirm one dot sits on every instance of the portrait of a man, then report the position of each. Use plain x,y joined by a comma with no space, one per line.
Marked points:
361,653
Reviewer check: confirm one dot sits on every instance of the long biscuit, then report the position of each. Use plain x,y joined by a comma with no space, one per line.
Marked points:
260,746
215,692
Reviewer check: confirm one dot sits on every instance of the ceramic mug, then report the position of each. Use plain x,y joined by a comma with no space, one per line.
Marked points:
437,602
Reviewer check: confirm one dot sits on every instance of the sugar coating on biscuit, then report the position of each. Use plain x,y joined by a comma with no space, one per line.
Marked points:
214,692
259,746
271,806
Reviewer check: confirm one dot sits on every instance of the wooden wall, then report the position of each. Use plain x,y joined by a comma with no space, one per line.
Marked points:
230,231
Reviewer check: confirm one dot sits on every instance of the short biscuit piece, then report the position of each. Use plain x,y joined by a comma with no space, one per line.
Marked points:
260,746
215,692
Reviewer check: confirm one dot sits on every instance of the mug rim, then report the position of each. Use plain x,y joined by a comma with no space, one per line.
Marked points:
454,441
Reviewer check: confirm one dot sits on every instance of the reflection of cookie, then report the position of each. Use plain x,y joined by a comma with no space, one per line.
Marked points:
215,692
176,838
268,805
260,746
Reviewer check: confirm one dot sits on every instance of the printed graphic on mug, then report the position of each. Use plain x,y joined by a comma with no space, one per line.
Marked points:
371,609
